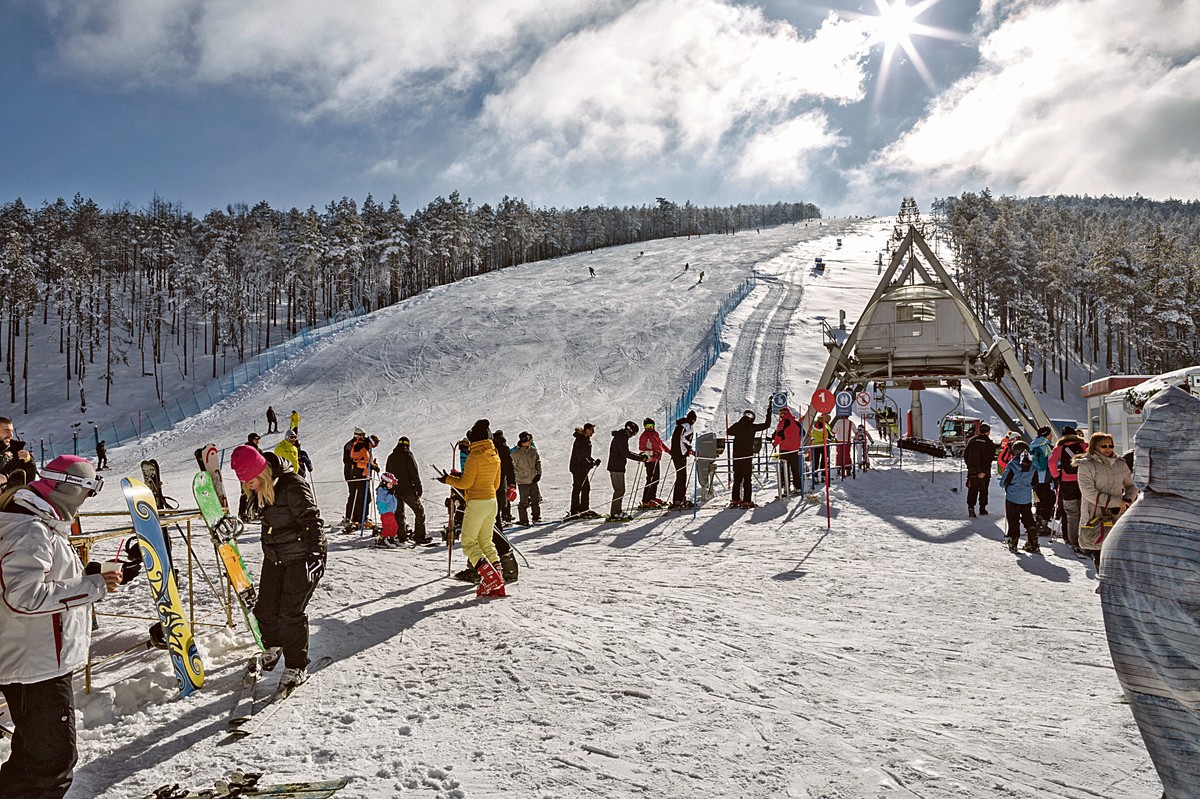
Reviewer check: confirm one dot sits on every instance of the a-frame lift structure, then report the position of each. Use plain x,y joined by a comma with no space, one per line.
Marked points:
918,330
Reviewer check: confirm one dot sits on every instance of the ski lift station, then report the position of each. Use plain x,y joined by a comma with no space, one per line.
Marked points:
918,330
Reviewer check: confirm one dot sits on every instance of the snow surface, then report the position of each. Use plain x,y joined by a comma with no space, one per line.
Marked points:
897,650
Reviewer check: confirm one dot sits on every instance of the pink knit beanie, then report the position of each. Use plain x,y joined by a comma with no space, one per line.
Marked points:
247,462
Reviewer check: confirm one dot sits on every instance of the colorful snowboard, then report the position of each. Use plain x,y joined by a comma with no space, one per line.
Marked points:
156,560
224,530
209,458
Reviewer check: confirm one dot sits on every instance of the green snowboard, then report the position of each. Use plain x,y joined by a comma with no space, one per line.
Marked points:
224,530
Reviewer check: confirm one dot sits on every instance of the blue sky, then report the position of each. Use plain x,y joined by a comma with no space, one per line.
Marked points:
585,102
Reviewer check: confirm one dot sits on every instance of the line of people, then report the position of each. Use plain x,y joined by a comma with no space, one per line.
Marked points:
1045,480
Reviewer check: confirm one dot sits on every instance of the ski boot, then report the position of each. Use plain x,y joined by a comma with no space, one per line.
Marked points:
508,567
468,575
1012,544
1032,547
271,657
491,581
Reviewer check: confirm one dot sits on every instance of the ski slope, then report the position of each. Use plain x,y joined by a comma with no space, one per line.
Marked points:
892,649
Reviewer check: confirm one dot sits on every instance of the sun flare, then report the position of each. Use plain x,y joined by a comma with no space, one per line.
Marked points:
894,28
896,23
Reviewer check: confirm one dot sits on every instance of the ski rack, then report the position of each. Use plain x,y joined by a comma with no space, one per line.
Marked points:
83,543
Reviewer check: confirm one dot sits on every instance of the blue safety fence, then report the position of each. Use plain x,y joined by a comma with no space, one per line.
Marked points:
145,423
710,350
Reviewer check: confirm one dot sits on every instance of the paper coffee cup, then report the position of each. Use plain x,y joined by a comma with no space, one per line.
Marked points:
110,566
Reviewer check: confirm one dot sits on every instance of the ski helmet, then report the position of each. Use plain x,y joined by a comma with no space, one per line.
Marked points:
631,427
524,437
66,482
1019,447
749,414
387,478
648,422
403,441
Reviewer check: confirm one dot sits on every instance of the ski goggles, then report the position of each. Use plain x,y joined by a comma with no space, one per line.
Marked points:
93,484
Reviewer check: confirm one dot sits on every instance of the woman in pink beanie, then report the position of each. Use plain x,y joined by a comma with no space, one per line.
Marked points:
294,554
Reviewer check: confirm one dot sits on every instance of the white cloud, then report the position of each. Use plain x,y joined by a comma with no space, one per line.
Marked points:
673,85
1082,96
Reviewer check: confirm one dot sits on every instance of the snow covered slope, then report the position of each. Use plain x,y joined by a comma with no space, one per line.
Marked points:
898,650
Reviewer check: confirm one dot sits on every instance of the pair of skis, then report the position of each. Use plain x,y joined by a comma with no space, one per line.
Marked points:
246,716
241,784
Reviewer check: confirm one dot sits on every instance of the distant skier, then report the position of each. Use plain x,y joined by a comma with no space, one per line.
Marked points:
581,466
701,280
819,438
408,490
742,435
591,272
272,420
619,455
862,446
1063,469
1040,450
685,266
101,455
294,421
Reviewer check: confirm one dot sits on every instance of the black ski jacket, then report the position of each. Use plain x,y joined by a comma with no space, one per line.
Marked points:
618,451
743,432
292,530
403,466
980,455
581,453
508,473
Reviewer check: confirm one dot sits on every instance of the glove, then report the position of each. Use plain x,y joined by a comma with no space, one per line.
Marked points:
537,477
644,457
129,570
441,479
595,461
511,493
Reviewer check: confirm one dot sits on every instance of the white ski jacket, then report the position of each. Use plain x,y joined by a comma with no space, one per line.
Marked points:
44,596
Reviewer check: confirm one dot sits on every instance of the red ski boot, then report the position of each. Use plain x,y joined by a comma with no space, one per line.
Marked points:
491,582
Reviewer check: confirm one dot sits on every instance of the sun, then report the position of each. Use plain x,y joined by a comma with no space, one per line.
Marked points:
894,28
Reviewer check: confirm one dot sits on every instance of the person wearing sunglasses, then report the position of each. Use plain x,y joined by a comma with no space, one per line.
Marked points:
45,622
1105,486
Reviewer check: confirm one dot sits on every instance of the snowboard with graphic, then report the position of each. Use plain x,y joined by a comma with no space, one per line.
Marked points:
156,560
209,459
224,530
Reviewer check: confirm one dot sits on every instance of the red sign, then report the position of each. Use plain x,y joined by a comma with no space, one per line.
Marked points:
823,400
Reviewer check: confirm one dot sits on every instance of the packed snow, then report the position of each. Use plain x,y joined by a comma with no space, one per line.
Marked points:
887,646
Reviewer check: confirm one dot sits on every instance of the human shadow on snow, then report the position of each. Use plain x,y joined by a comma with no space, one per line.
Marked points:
337,638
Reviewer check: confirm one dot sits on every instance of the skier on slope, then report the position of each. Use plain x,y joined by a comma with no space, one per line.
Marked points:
408,489
478,483
294,556
1064,470
742,435
651,445
272,420
618,457
294,421
45,623
581,465
682,448
818,439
